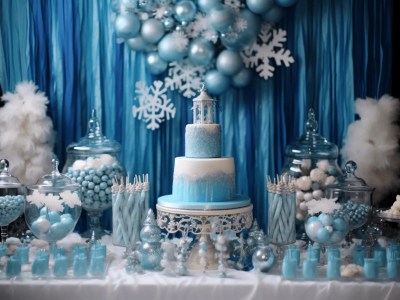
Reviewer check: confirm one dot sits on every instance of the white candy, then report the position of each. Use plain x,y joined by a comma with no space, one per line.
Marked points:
329,228
308,197
323,165
306,164
300,216
106,159
317,194
303,206
79,165
298,201
304,183
318,175
351,270
299,195
329,180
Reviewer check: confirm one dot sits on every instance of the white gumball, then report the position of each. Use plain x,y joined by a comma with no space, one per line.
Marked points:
306,164
303,183
317,194
312,229
303,206
106,159
41,225
299,195
329,180
308,197
79,165
318,175
323,165
300,216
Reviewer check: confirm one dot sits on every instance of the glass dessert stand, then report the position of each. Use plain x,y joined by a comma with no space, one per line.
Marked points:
200,223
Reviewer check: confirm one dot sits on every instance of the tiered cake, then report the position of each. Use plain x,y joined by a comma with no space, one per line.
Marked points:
203,179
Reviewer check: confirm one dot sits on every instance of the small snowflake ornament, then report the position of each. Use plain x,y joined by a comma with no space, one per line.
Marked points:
71,199
154,105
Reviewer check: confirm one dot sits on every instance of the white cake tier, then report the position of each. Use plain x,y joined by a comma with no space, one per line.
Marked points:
203,179
203,140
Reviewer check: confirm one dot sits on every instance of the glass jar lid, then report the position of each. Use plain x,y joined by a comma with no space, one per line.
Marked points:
349,181
312,144
6,179
94,142
55,182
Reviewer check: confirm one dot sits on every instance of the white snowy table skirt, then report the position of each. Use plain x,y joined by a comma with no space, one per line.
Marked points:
152,285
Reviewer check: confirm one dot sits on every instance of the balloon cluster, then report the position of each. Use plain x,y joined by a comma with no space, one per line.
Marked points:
209,33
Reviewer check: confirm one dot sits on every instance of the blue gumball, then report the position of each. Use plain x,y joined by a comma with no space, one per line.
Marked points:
201,51
216,83
54,217
285,3
57,232
243,78
185,11
259,6
152,31
137,44
155,63
127,25
229,62
274,15
221,17
323,235
206,5
168,50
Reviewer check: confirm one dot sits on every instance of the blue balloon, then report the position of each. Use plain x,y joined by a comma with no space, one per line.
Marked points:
274,15
137,44
239,40
243,78
221,17
127,25
259,6
285,3
201,51
206,5
152,30
168,50
185,11
229,62
155,63
216,83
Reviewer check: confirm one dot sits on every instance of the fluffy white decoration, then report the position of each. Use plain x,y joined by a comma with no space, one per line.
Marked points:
26,135
70,240
323,205
395,209
373,143
70,199
303,183
318,175
351,270
323,165
93,162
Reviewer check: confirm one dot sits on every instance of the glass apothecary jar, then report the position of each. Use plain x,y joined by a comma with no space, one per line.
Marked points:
53,206
93,163
312,161
354,195
12,198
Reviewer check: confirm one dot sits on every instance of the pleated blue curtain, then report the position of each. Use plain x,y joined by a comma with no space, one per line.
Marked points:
342,50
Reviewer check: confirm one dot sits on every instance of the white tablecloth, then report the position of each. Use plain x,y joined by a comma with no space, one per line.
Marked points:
153,285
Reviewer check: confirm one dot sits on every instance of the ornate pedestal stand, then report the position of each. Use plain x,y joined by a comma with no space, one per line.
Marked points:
199,222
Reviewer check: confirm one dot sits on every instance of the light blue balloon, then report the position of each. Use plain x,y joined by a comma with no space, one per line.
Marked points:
152,31
185,11
274,15
127,25
201,51
168,51
221,17
259,6
206,5
285,3
216,83
239,40
137,43
243,78
229,62
169,23
155,63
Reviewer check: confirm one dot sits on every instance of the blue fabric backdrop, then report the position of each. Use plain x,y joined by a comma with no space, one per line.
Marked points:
342,50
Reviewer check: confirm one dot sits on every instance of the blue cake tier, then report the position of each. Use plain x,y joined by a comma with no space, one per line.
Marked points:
236,202
203,140
204,179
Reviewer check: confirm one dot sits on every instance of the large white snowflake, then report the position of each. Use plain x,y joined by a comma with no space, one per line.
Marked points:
185,77
158,13
154,105
269,46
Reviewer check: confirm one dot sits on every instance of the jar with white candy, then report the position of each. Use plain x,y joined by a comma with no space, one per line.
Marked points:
93,163
12,198
312,161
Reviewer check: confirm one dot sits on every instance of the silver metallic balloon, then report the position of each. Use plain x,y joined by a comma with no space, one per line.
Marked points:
201,51
127,25
152,30
185,10
229,62
155,63
216,83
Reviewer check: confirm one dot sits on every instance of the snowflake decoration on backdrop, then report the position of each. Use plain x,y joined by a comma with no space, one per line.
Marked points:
259,55
154,105
200,28
185,77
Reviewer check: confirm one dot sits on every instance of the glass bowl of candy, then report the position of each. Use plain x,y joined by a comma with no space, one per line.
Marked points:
53,206
12,198
312,162
93,163
327,222
354,195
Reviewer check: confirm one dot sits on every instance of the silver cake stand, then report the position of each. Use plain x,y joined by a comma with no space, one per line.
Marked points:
200,222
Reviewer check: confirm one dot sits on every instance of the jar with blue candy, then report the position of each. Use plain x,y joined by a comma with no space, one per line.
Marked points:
93,163
12,198
53,206
354,195
312,162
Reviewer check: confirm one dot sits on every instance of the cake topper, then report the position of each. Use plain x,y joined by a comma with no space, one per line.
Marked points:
203,108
